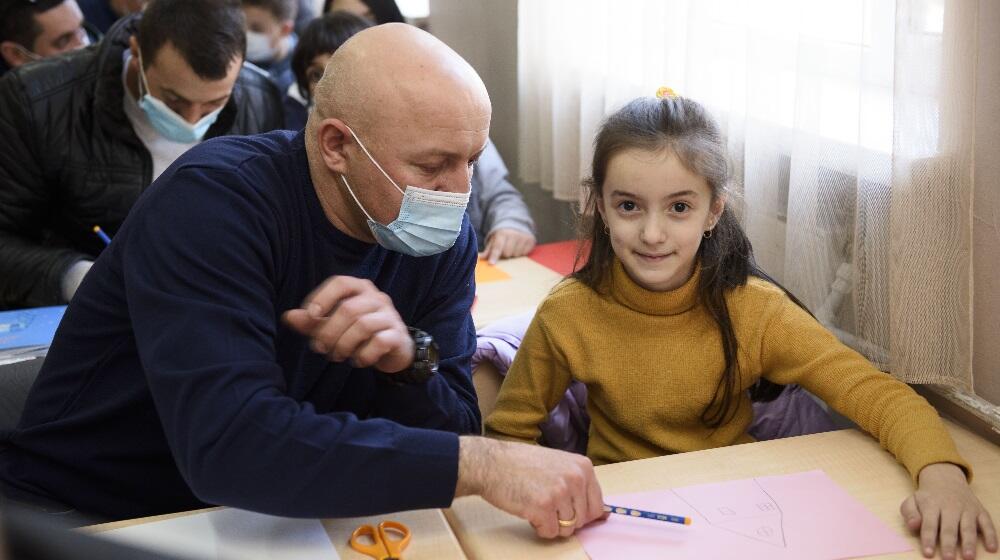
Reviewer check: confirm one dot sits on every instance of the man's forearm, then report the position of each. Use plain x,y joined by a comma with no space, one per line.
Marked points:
473,455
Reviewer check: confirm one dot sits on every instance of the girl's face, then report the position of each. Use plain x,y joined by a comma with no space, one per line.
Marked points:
656,210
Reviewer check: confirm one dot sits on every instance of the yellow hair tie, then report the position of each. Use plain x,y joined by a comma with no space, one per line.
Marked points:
664,91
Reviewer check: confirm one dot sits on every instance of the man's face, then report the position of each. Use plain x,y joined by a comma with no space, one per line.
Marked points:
171,80
433,150
61,31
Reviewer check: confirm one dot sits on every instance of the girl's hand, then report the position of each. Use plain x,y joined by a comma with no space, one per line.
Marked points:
944,504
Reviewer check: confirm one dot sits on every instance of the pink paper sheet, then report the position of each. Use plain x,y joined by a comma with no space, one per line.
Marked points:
802,516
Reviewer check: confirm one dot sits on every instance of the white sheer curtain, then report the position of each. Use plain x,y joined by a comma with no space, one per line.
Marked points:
849,125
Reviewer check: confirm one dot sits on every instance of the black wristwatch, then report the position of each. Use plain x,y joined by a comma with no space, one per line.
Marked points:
425,359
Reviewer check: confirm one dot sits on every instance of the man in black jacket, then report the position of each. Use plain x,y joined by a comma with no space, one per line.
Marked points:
37,29
82,134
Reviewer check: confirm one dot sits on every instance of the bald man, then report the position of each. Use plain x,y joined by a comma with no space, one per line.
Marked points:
282,323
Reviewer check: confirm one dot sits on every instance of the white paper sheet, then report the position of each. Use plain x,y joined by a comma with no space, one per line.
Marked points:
231,534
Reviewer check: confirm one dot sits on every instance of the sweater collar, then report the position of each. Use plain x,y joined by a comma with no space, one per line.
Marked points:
674,302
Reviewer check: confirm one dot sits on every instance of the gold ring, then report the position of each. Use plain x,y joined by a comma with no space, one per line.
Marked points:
567,522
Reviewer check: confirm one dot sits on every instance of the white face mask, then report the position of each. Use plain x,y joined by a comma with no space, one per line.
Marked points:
429,221
259,48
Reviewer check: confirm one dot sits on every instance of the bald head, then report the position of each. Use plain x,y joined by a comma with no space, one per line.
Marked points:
398,75
395,108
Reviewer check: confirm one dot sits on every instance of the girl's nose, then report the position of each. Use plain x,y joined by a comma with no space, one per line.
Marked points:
653,231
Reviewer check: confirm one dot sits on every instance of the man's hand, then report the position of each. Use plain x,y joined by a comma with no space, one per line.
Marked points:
349,318
945,505
507,244
543,486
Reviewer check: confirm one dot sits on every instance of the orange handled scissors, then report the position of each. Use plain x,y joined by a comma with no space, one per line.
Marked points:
389,538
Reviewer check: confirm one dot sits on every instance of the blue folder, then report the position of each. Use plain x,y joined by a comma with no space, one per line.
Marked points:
34,327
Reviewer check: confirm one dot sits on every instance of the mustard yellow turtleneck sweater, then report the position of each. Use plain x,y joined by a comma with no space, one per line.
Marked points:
652,361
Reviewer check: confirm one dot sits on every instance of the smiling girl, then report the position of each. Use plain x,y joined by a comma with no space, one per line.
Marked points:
672,327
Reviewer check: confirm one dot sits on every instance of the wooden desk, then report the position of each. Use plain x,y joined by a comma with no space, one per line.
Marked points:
527,286
851,458
432,537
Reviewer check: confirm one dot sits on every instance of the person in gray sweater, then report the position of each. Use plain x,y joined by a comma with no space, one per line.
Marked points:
497,211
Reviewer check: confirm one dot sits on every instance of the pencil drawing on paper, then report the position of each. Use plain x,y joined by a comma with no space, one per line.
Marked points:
759,517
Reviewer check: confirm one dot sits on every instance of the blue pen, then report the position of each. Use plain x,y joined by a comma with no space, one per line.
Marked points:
680,519
100,233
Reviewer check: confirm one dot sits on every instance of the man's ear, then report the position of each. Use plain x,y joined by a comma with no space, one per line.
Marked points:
12,55
286,28
333,136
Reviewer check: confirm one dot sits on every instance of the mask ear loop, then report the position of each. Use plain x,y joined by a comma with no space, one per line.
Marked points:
358,140
32,55
358,202
142,79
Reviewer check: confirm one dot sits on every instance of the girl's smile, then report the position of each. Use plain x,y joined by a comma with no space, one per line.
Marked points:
653,258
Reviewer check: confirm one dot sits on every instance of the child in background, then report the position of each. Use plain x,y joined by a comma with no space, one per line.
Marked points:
321,38
670,325
503,224
270,37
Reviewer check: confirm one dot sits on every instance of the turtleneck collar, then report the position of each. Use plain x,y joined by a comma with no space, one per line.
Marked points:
674,302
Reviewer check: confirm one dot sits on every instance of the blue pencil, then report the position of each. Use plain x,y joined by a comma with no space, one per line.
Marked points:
100,233
680,519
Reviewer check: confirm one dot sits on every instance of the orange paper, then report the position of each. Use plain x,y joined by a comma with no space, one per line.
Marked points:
486,272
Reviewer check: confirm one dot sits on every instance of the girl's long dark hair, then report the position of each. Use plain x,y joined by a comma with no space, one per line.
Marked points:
684,127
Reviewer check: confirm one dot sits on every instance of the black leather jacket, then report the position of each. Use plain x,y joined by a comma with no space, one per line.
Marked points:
69,159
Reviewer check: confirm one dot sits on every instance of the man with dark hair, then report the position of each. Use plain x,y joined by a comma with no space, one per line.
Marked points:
83,134
35,29
270,40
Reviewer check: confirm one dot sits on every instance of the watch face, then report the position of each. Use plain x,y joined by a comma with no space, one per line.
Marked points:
432,355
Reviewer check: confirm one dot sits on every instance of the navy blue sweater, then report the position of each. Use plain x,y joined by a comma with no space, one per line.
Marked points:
172,381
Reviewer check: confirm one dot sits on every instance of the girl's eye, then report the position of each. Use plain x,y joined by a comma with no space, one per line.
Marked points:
627,206
679,207
314,76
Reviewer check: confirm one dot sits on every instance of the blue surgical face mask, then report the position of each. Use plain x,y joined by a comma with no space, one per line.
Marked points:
429,221
168,123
